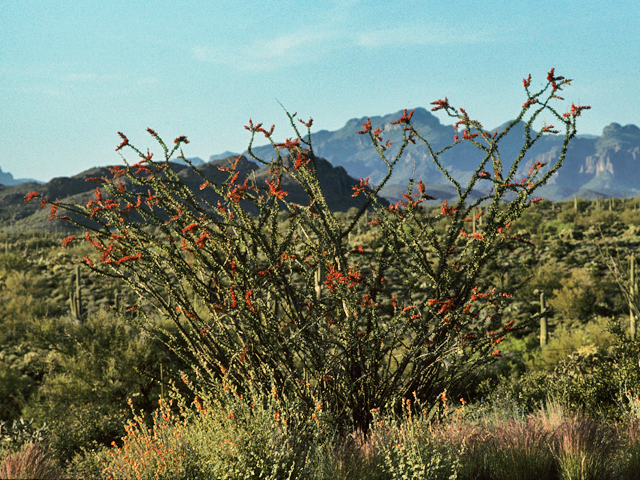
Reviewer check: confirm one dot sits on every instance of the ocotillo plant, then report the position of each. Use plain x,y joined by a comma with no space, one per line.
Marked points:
285,301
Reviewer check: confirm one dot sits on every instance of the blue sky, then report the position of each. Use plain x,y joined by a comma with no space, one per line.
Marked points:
73,73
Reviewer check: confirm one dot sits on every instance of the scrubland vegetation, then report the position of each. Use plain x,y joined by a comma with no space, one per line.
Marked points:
199,340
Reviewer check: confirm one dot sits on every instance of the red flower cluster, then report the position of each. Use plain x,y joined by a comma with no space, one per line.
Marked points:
99,204
440,104
557,82
576,110
361,188
289,144
443,307
367,127
335,277
302,159
258,128
67,241
31,196
448,211
405,119
275,190
125,141
130,258
536,166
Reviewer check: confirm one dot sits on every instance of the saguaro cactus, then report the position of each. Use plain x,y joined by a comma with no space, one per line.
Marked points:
544,334
75,300
632,296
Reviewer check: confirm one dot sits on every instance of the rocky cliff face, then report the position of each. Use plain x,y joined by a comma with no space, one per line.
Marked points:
7,179
599,166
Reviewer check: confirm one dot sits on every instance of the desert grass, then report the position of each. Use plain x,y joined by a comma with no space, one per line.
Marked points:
30,462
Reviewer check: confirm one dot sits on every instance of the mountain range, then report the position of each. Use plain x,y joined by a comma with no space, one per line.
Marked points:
605,165
595,166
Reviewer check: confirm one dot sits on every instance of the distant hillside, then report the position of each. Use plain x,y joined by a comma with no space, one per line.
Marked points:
15,215
7,179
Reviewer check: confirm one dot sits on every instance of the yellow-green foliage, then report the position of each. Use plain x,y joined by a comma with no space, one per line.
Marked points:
590,339
576,299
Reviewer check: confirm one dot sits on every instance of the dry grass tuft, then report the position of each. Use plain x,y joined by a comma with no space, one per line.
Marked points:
31,461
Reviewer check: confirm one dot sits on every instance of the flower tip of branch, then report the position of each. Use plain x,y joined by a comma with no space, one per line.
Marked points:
440,104
125,141
362,187
30,196
405,119
576,110
67,241
367,127
269,133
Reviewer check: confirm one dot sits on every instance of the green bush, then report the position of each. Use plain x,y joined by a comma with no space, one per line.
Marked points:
590,380
89,371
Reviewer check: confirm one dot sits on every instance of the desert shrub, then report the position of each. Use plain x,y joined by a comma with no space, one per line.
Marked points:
22,293
293,302
520,450
89,371
413,451
10,261
591,380
589,341
578,298
17,433
223,435
568,214
629,454
584,449
602,217
630,216
16,381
